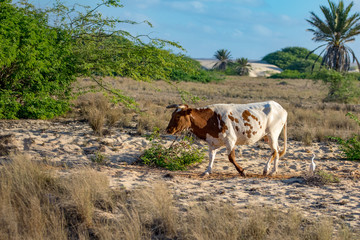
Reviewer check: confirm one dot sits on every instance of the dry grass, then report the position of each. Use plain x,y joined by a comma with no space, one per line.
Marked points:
99,112
35,203
310,119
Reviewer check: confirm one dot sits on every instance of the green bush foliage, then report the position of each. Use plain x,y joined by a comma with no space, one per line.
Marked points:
178,156
292,58
292,74
36,65
42,51
350,147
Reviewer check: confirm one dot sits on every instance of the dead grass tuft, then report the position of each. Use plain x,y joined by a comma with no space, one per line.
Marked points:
309,118
37,204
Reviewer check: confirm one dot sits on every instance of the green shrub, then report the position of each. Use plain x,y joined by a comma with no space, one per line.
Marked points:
350,147
291,74
43,51
178,156
292,58
342,86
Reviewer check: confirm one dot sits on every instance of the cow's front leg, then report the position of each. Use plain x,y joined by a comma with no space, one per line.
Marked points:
232,160
212,153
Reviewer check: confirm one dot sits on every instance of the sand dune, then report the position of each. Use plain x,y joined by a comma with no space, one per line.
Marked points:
258,68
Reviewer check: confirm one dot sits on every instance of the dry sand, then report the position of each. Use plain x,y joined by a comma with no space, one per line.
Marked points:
71,143
258,68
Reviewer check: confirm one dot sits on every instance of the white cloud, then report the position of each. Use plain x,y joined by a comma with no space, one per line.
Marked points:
196,6
238,33
262,30
143,4
208,29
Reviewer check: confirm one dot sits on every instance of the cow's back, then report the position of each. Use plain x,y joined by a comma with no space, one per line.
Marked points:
248,123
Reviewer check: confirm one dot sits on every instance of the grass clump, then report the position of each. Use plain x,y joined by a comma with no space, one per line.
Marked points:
350,147
321,178
100,158
178,156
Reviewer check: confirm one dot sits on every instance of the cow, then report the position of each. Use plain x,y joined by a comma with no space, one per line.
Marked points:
233,124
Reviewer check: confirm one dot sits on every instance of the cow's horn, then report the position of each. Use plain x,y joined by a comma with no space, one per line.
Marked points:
173,106
182,106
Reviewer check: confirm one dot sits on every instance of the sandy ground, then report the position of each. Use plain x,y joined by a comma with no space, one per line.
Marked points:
71,143
258,68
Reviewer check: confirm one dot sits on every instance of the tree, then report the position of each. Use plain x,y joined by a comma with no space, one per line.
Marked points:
338,28
243,66
43,51
292,58
223,56
36,65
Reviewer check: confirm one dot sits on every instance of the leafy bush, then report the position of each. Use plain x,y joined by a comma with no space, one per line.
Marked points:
36,65
292,58
350,147
177,157
43,51
342,86
291,74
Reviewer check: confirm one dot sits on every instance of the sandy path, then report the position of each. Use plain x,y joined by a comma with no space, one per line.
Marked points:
72,143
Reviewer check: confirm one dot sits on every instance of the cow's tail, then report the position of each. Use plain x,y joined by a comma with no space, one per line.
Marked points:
282,153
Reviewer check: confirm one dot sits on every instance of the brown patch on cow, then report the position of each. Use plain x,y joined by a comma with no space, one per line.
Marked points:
248,125
231,113
231,118
248,133
236,120
243,133
255,118
254,133
237,128
224,128
246,114
206,121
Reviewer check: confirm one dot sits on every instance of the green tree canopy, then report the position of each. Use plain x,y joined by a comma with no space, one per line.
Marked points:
292,58
42,51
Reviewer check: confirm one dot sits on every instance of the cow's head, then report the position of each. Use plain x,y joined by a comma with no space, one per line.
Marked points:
180,119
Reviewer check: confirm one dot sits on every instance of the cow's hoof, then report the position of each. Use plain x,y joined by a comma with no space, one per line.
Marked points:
205,174
265,173
242,174
273,173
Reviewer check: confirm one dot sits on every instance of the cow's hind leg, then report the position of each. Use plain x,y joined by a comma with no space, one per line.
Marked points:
232,160
274,156
212,153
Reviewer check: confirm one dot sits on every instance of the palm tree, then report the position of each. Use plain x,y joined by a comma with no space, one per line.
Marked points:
243,66
338,28
223,56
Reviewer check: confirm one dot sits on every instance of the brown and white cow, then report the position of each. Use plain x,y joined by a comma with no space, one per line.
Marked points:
233,124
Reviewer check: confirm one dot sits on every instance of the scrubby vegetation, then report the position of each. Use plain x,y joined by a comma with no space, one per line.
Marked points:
350,146
178,156
43,51
36,203
292,58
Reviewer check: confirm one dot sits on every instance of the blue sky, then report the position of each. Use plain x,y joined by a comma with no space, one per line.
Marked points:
247,28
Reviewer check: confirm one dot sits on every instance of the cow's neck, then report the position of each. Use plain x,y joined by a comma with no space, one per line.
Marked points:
206,121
